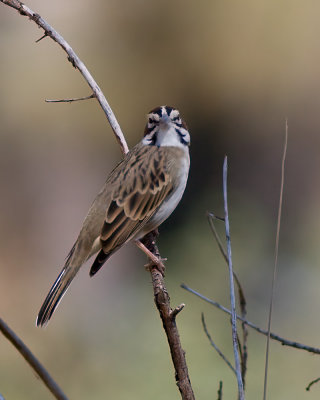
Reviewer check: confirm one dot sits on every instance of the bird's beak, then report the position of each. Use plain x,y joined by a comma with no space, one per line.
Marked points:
165,121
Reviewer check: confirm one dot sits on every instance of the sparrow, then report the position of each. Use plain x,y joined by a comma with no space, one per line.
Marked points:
139,194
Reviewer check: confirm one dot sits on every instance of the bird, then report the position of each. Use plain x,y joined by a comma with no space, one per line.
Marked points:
139,194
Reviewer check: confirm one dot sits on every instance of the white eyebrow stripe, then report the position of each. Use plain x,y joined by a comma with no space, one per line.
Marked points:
154,117
174,114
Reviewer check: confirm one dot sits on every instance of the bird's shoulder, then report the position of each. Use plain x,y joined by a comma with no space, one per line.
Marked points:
143,169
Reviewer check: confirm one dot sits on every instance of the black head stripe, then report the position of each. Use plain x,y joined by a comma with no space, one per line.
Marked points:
159,115
169,110
158,111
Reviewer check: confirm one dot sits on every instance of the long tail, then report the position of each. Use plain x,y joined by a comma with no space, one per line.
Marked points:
55,295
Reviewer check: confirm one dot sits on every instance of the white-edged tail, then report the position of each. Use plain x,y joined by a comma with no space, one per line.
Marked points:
55,295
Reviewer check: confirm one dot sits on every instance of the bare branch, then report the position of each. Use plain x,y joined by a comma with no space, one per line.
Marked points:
232,295
92,96
215,346
176,310
77,63
242,300
167,314
32,361
273,336
210,217
161,296
312,383
244,347
220,390
275,267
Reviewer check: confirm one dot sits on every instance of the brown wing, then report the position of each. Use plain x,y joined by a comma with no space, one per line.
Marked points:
139,187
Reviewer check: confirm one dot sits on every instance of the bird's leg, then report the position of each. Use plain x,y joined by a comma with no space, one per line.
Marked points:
148,245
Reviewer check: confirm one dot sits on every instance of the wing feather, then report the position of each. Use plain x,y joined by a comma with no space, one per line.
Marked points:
137,187
137,194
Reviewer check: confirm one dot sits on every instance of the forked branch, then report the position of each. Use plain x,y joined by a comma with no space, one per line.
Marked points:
168,317
161,295
283,341
76,62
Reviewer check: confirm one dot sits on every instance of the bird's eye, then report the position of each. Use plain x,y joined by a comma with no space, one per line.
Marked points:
176,119
151,121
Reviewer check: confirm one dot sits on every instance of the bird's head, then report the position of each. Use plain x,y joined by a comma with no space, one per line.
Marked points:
166,128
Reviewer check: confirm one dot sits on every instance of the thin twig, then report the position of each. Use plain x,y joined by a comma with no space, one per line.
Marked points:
176,310
168,317
215,346
32,361
77,63
242,300
275,267
232,295
273,336
92,96
244,348
220,391
42,37
211,217
312,383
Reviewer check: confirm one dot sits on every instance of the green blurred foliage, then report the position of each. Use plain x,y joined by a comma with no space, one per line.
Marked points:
235,70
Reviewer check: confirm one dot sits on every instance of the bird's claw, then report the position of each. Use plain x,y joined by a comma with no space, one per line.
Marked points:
158,265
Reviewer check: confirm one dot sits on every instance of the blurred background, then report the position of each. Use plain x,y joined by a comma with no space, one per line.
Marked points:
236,71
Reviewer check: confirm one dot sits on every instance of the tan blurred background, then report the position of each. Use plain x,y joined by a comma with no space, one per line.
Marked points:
235,70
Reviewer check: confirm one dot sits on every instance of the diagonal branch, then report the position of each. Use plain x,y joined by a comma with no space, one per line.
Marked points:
32,361
215,346
273,336
77,63
312,383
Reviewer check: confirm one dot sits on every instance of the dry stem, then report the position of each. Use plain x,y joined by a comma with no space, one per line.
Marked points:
273,336
215,346
162,299
168,317
242,300
232,295
77,63
92,96
312,383
275,266
32,361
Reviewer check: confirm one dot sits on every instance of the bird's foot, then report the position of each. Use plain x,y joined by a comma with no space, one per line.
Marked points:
158,264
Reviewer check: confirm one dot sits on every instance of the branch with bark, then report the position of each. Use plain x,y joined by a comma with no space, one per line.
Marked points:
161,296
